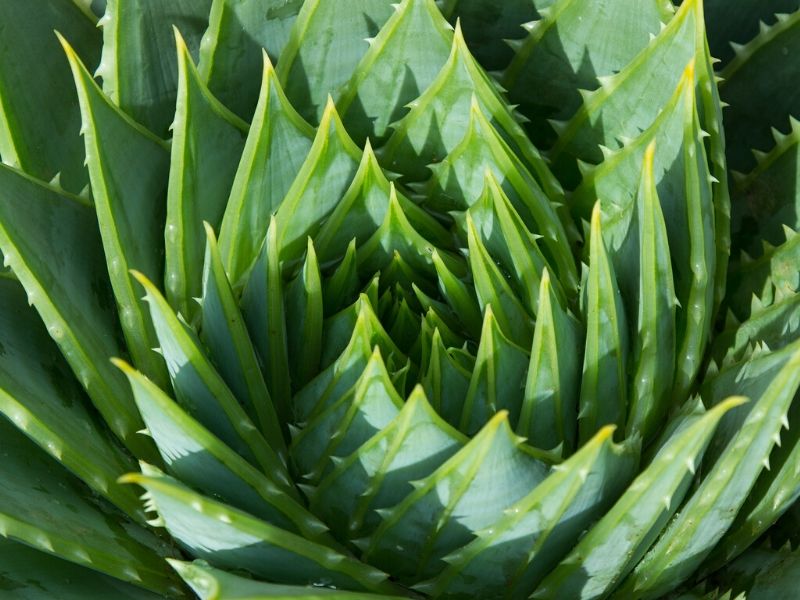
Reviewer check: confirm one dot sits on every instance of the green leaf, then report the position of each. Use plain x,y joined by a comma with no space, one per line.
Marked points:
363,208
439,118
614,545
628,102
379,473
741,25
199,387
198,458
325,45
32,575
445,380
512,555
304,321
488,24
569,48
497,378
213,584
712,507
239,31
225,334
322,180
767,199
38,135
467,493
604,385
341,288
277,144
550,403
460,296
51,241
338,430
207,142
511,244
492,288
128,169
402,61
47,508
229,538
263,309
460,180
758,102
139,69
40,396
654,346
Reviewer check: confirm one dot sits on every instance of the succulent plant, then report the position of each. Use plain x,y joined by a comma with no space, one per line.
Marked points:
475,308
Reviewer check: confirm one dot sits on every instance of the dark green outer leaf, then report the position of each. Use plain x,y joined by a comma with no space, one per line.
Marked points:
206,146
230,50
138,66
128,169
51,240
37,134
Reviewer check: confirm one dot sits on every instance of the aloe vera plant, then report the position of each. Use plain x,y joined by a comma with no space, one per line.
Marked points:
351,299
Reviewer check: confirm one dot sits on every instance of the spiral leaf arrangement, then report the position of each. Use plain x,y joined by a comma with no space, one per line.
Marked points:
474,308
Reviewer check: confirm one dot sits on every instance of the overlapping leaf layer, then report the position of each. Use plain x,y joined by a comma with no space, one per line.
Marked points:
422,314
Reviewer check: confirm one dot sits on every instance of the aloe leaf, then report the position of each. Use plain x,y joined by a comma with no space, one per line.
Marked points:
239,31
513,554
603,391
492,288
497,380
198,385
445,380
40,396
460,296
199,459
363,208
467,493
342,286
264,314
438,121
51,241
568,49
766,199
322,180
369,406
756,284
618,541
32,575
654,347
277,144
758,103
231,539
304,320
37,135
550,403
128,169
138,68
396,235
515,249
402,61
487,25
775,491
350,354
379,473
459,181
212,584
225,334
712,507
207,142
47,508
324,47
728,28
628,102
